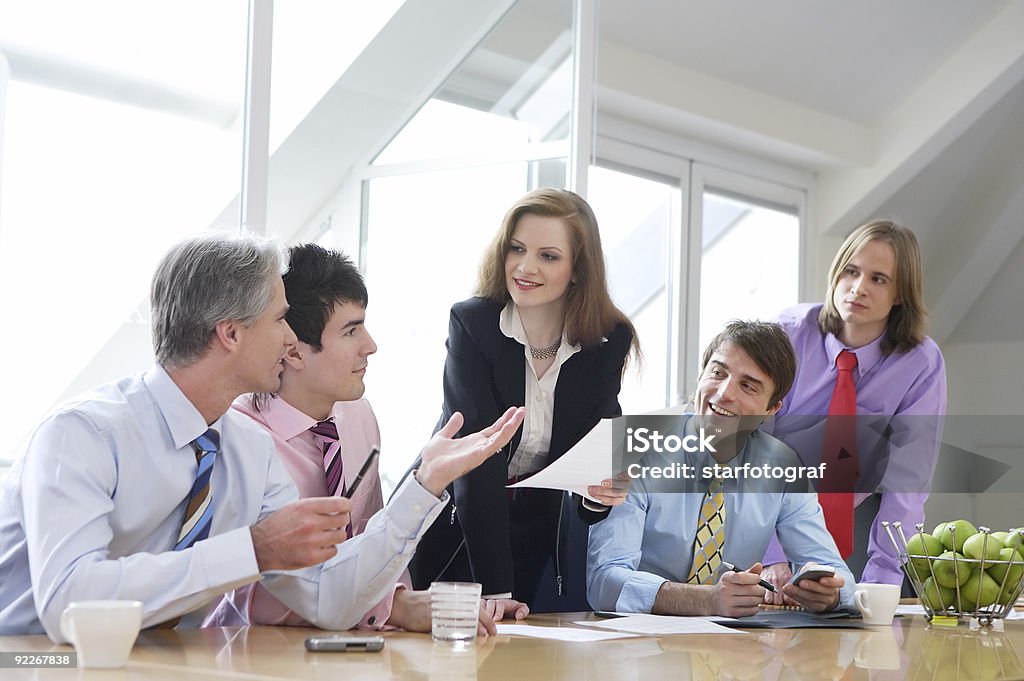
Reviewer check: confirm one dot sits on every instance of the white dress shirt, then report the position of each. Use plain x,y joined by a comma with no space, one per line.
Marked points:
93,507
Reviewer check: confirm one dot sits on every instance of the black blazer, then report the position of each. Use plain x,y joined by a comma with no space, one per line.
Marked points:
485,374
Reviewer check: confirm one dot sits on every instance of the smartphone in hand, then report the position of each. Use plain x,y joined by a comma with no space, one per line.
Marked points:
813,572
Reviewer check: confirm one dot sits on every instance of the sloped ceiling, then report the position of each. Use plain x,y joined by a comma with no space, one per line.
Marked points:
910,108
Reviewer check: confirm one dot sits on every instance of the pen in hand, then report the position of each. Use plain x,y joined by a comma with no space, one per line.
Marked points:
374,452
732,568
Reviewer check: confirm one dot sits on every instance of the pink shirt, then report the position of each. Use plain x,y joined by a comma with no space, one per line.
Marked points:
302,455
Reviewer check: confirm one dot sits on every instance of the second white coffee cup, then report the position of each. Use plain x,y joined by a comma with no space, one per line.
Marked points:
877,602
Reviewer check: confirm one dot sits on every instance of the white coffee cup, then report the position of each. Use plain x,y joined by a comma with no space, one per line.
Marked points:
877,602
103,632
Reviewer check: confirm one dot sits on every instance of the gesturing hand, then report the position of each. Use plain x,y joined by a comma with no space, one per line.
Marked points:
444,458
302,533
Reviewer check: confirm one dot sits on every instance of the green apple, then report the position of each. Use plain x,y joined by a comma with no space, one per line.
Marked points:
1005,595
948,573
936,597
954,533
1012,541
979,591
923,545
1016,569
982,546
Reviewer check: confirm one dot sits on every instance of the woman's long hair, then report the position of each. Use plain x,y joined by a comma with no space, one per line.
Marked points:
590,314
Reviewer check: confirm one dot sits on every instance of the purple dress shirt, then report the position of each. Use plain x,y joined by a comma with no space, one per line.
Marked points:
909,386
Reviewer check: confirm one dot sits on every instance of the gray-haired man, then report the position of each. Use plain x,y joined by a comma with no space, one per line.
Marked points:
151,489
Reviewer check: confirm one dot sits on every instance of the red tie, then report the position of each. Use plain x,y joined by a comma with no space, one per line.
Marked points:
839,453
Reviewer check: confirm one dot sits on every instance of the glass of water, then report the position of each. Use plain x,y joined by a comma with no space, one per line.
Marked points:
454,610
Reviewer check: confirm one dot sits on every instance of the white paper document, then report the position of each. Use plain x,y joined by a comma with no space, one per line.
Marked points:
560,633
587,463
659,625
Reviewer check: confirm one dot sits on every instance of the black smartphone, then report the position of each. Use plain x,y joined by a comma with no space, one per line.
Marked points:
344,644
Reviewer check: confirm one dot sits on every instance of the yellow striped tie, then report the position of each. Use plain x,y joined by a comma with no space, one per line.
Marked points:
710,540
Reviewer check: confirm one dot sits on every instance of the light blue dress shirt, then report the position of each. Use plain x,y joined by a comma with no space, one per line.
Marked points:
648,540
93,507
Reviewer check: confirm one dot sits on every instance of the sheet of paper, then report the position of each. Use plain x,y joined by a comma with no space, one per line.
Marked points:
587,463
657,625
560,633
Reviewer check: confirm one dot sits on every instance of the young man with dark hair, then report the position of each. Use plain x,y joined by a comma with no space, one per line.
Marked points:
323,429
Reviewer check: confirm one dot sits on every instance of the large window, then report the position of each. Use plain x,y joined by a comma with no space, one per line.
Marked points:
120,137
636,215
121,129
744,247
118,140
434,198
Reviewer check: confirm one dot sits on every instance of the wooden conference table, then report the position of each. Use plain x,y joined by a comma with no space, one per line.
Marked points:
910,649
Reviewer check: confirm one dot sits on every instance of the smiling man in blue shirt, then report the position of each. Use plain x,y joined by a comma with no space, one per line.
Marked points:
640,557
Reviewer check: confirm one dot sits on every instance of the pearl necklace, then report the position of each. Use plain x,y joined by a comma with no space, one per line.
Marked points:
546,353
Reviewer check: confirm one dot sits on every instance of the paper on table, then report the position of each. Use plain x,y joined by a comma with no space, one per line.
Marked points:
560,633
655,625
587,463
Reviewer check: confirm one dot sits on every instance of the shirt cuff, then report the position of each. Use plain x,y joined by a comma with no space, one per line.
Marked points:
229,559
639,592
412,504
594,506
377,618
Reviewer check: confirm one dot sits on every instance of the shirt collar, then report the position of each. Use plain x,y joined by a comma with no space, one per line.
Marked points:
867,355
183,420
511,325
284,419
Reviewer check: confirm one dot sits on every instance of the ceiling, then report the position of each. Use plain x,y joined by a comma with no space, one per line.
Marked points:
910,109
849,59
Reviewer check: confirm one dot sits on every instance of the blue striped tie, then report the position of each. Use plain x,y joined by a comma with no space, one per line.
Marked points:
199,509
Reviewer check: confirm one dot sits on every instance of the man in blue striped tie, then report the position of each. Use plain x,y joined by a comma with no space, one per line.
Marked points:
151,489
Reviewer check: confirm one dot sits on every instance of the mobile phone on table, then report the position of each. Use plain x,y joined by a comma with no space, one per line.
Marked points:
344,644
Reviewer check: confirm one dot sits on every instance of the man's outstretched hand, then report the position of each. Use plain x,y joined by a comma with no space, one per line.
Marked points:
445,458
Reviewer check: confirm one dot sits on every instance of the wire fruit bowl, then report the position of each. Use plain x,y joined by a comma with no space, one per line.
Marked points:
965,598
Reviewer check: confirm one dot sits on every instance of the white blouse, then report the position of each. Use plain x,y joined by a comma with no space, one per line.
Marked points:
532,453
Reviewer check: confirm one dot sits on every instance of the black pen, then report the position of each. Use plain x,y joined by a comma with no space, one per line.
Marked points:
767,585
374,452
